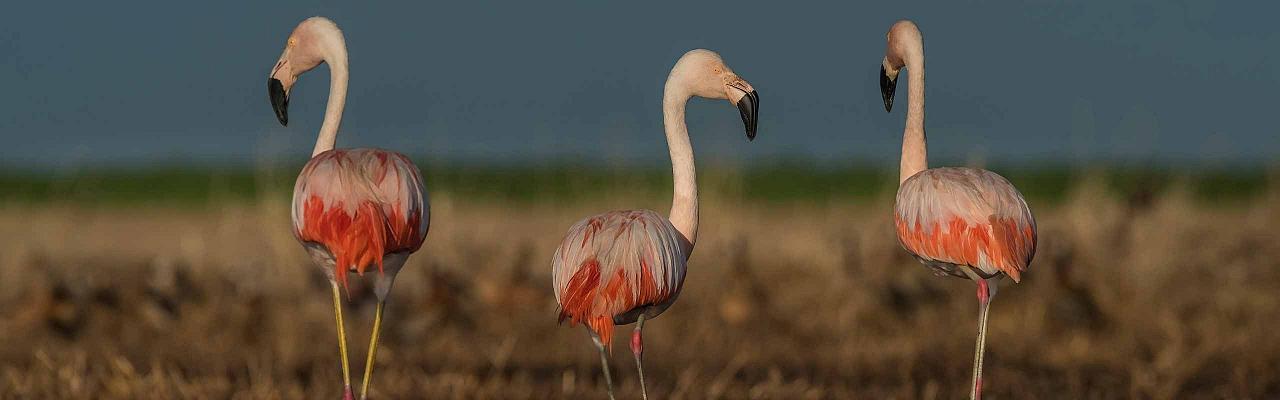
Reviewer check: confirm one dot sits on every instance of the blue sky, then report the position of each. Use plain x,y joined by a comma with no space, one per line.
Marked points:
92,83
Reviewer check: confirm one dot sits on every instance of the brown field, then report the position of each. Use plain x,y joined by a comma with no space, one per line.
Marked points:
1150,297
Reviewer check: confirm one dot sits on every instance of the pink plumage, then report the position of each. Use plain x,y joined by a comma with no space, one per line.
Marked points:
357,207
964,217
612,267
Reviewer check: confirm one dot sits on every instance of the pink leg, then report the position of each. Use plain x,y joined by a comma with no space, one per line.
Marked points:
984,294
604,361
637,349
637,343
984,304
347,395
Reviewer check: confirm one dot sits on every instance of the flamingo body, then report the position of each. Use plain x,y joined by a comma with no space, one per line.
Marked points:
964,222
612,267
629,266
353,208
952,218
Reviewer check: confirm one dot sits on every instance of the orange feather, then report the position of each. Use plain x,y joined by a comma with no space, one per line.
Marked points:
361,205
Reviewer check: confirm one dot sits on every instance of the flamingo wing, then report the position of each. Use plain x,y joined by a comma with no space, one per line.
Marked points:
360,205
613,263
966,217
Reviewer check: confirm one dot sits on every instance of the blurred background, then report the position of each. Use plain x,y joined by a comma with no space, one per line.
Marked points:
145,247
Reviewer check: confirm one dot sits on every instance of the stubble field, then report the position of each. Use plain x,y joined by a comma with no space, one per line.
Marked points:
1159,295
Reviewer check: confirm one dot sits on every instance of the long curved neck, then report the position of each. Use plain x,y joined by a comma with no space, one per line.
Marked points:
914,157
336,57
684,201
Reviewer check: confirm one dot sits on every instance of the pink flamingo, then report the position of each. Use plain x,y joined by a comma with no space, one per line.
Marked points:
352,208
964,222
628,266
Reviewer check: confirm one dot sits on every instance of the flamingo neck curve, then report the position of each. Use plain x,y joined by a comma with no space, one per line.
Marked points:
335,54
914,150
684,201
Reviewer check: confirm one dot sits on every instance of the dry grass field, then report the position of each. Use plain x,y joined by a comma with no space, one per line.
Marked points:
1161,296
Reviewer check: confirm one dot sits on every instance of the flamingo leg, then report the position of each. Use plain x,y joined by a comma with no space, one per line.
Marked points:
986,291
342,342
604,362
373,349
637,349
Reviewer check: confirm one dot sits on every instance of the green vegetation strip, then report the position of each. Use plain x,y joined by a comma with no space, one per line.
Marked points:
774,183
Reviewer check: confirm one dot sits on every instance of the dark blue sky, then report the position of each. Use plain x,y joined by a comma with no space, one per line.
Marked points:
88,83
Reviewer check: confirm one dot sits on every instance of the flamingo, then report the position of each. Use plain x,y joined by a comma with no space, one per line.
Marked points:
628,266
352,208
963,222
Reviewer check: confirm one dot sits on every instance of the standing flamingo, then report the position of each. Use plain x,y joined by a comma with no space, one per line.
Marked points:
964,222
628,266
352,208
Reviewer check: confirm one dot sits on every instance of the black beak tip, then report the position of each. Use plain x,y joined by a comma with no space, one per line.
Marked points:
279,100
887,87
749,107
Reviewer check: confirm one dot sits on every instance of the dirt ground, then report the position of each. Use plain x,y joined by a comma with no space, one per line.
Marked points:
1162,297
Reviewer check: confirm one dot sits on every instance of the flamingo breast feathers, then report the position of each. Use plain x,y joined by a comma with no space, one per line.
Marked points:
613,263
360,205
966,217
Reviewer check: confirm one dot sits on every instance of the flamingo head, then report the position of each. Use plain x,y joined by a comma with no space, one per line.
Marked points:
903,41
312,42
703,73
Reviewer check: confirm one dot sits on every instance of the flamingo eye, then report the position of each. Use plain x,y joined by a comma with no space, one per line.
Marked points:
292,42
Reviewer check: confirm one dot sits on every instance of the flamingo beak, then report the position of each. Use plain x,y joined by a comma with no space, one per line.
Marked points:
887,87
279,100
749,106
